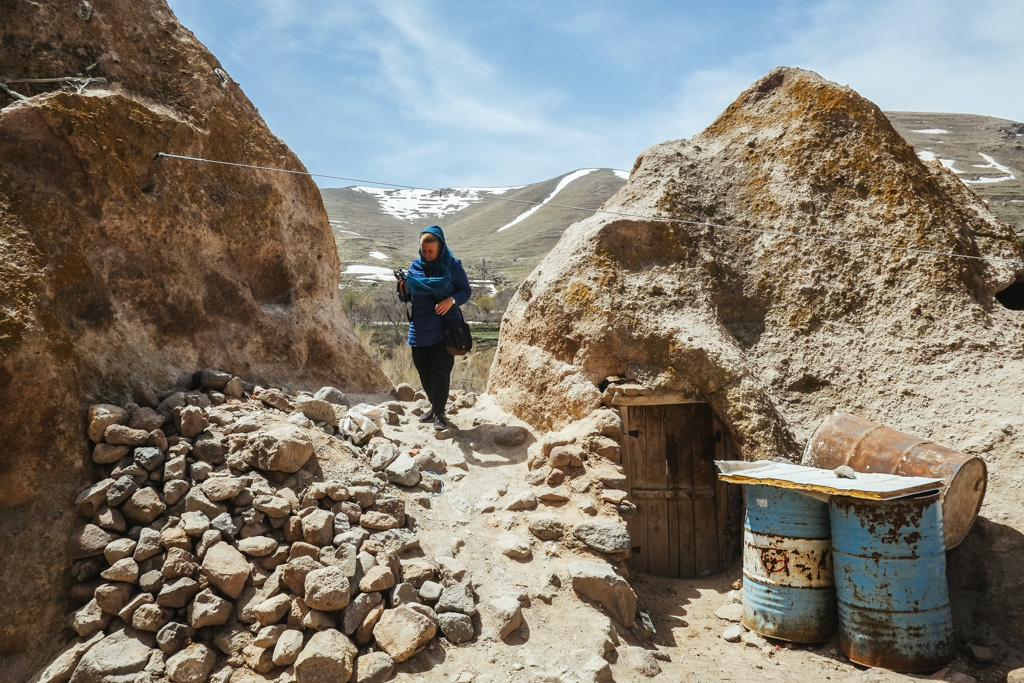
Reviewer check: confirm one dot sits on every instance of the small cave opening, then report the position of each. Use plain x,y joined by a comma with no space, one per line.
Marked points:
1013,296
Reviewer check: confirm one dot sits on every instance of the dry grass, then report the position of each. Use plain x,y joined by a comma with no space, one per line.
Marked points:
472,370
395,360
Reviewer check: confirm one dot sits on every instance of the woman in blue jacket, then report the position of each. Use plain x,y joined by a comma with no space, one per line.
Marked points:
437,285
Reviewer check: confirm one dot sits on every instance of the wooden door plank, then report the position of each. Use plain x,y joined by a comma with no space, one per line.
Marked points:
705,531
676,452
685,538
638,523
638,534
722,494
672,514
705,510
670,429
705,474
631,455
677,444
656,460
683,418
639,424
658,541
667,494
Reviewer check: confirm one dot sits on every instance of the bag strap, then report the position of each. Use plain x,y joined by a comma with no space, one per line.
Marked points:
408,306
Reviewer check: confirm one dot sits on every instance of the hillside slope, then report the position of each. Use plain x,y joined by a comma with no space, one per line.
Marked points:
376,229
986,153
512,228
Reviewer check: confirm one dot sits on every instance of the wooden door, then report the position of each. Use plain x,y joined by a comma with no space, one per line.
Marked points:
679,528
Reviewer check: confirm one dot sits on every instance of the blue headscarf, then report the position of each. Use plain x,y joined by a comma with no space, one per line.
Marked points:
432,278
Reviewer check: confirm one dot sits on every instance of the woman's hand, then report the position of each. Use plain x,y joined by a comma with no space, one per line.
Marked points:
444,306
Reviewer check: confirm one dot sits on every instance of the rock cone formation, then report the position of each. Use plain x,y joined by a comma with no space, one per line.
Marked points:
756,322
777,331
118,267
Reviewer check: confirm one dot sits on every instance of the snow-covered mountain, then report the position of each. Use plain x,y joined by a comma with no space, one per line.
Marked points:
496,230
418,205
986,153
508,230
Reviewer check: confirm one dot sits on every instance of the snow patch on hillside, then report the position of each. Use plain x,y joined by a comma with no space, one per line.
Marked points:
336,226
562,184
370,273
622,174
994,165
485,284
418,204
928,155
380,256
931,131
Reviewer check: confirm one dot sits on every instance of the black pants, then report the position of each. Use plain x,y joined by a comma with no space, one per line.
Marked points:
434,364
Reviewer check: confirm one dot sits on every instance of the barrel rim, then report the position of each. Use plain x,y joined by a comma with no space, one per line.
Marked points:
956,533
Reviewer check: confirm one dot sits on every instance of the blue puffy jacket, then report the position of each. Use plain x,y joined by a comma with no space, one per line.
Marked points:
426,328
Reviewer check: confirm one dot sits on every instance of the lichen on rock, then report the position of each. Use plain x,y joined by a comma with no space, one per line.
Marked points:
119,267
773,269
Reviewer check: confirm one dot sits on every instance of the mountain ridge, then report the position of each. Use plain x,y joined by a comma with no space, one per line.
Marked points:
508,230
504,228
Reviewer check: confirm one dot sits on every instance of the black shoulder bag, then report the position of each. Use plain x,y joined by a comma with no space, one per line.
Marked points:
457,337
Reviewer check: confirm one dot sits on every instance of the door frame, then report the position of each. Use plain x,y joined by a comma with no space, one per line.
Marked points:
709,556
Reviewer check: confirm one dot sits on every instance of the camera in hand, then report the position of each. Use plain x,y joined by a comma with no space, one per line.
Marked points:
399,274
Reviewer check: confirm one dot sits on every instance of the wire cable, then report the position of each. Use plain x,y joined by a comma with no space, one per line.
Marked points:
622,214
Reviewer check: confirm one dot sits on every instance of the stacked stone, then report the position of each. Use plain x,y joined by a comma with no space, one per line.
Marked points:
583,458
580,463
210,536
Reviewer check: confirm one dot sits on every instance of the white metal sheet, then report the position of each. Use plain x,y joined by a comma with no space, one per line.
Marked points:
812,480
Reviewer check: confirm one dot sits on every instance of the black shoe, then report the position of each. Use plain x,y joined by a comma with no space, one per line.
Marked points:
427,416
440,423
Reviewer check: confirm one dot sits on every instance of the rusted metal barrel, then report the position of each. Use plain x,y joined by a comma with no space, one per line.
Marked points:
890,571
866,446
787,567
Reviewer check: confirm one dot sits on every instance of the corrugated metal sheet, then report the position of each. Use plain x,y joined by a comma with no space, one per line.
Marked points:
813,480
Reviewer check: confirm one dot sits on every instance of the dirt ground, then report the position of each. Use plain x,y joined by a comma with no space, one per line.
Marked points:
564,638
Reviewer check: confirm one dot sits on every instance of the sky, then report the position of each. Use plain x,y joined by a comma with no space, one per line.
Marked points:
482,93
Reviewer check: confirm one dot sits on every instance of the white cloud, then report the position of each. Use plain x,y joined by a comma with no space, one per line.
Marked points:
915,55
415,93
918,55
435,78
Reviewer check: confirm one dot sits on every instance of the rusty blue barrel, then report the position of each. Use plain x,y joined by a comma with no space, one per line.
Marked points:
788,591
890,572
